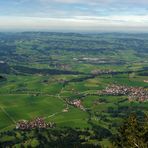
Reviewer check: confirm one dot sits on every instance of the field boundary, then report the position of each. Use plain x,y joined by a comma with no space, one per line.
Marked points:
7,114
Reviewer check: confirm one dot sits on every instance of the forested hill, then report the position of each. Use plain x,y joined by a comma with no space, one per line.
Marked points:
75,41
30,46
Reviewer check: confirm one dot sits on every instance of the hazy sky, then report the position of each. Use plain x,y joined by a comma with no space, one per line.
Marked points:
74,15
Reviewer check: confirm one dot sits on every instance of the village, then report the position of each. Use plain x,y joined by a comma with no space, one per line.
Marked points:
133,93
37,123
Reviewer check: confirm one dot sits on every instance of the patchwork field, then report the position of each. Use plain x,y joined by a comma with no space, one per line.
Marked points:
47,75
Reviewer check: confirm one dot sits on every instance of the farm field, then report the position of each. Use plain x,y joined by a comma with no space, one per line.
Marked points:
45,74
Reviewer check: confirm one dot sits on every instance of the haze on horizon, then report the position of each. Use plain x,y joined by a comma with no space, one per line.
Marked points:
74,15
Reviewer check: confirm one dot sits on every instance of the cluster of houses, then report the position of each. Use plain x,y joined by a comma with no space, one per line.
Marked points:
138,94
134,93
37,123
77,103
98,71
59,65
116,90
2,62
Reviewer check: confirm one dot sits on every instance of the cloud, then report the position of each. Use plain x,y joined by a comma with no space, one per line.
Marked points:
69,8
74,14
96,7
97,1
77,23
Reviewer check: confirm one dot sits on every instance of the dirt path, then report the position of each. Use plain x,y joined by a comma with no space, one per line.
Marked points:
52,115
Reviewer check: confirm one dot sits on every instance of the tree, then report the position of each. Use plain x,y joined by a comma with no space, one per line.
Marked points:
132,134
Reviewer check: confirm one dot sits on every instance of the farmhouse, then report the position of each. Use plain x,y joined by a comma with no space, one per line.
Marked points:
146,81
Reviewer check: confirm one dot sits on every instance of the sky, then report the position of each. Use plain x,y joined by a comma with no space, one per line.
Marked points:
74,15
